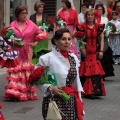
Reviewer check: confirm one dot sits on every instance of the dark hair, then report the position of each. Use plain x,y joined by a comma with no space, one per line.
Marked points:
19,9
85,4
68,4
115,5
58,34
115,13
100,5
37,5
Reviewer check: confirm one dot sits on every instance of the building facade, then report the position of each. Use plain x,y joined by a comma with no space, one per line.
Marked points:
7,8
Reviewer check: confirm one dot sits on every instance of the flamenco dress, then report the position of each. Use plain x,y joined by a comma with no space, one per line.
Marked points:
8,57
107,62
91,71
67,107
107,59
17,88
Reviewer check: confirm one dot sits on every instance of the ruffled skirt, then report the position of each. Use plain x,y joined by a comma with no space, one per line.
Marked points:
114,43
107,63
91,73
18,87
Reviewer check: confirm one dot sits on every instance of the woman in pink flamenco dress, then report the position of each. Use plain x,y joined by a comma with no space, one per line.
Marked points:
70,17
18,87
91,71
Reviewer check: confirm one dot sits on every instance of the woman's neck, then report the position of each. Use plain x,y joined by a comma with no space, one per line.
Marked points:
90,23
38,14
66,9
21,22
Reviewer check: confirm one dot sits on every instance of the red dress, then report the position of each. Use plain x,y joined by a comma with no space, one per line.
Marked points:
91,71
1,115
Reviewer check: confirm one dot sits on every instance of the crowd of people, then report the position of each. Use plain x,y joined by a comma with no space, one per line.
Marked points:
84,48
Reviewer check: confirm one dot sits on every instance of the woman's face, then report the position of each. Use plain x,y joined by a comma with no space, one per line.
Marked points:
100,10
114,17
23,15
118,6
90,17
57,27
84,8
64,43
64,5
40,9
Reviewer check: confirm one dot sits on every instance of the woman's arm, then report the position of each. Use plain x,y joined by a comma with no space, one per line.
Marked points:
46,88
101,46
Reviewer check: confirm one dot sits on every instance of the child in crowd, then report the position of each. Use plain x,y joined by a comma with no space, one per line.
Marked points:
81,18
114,39
115,20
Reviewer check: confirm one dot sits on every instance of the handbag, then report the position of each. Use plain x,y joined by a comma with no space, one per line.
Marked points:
53,112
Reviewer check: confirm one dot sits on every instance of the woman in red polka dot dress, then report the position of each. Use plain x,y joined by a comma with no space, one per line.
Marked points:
91,71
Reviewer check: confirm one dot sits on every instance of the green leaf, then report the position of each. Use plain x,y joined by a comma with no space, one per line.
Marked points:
42,45
35,60
20,43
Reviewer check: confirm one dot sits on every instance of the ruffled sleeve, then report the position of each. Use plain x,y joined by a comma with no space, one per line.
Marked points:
100,28
81,27
43,61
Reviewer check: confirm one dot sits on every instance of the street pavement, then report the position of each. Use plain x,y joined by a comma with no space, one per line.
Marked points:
103,108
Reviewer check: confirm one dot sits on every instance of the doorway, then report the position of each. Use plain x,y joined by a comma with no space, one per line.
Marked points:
1,14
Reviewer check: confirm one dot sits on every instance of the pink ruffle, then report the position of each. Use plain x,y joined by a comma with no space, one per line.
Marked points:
17,87
41,36
21,67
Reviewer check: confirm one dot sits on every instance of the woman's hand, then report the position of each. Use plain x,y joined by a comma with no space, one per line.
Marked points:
100,54
32,44
83,52
55,90
112,33
73,33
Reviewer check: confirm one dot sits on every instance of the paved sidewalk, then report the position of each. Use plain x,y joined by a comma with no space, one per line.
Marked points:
3,70
103,108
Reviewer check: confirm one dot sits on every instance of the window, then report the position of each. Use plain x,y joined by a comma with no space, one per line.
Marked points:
50,7
13,5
